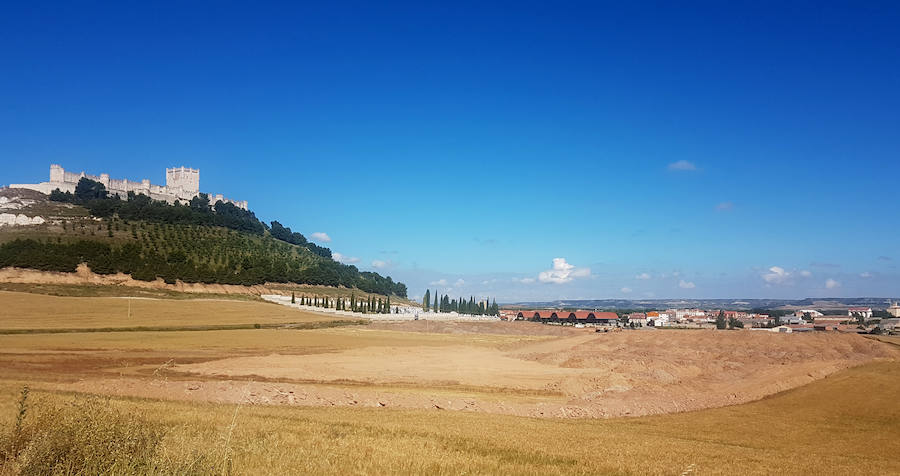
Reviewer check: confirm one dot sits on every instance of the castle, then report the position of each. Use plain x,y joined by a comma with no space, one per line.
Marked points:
182,184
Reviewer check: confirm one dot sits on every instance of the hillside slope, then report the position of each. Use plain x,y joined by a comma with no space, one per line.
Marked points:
164,243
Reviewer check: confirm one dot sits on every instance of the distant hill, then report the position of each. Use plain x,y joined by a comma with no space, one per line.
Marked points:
727,304
194,242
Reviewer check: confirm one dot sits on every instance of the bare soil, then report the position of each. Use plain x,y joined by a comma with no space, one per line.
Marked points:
586,375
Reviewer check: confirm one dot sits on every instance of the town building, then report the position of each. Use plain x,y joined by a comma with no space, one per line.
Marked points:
890,325
811,312
894,309
638,319
865,312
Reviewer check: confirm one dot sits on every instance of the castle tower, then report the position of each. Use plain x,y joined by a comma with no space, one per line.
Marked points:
57,174
185,178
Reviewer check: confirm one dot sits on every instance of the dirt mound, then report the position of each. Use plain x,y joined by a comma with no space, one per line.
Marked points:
587,375
83,275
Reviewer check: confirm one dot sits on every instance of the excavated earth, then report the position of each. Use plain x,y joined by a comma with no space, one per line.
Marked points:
565,373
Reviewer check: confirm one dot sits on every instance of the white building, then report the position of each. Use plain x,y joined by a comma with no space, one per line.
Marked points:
865,312
811,312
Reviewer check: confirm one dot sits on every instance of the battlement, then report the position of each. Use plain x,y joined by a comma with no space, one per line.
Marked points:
182,184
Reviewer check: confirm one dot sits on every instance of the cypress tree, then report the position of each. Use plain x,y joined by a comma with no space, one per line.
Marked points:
436,303
426,301
293,299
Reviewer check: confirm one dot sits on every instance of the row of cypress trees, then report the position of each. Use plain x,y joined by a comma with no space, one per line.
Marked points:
461,305
368,305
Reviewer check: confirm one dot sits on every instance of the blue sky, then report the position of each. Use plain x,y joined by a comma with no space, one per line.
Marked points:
721,149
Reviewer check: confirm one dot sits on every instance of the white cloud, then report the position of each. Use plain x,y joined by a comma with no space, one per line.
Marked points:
805,273
682,165
724,206
440,282
320,237
777,275
642,276
562,272
523,280
344,259
459,283
865,275
625,290
832,284
379,264
686,284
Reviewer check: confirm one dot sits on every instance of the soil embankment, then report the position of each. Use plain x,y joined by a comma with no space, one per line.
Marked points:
587,375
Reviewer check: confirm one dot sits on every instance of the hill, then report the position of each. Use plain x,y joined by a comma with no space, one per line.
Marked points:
193,243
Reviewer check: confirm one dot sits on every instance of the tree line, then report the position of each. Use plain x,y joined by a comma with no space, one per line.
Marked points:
462,306
368,305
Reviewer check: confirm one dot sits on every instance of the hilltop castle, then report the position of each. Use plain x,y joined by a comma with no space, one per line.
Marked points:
182,184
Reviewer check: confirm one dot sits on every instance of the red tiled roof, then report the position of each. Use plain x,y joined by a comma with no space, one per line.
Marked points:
605,315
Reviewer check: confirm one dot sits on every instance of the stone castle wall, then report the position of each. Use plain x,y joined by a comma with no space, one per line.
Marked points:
182,184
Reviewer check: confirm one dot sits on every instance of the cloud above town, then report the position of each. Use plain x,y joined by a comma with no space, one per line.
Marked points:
832,284
321,237
340,258
682,165
562,272
777,275
686,284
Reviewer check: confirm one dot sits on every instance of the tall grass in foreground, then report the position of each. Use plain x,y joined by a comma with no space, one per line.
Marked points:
848,423
87,435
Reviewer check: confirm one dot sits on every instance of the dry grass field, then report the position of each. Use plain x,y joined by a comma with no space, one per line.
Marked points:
420,397
35,311
848,423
